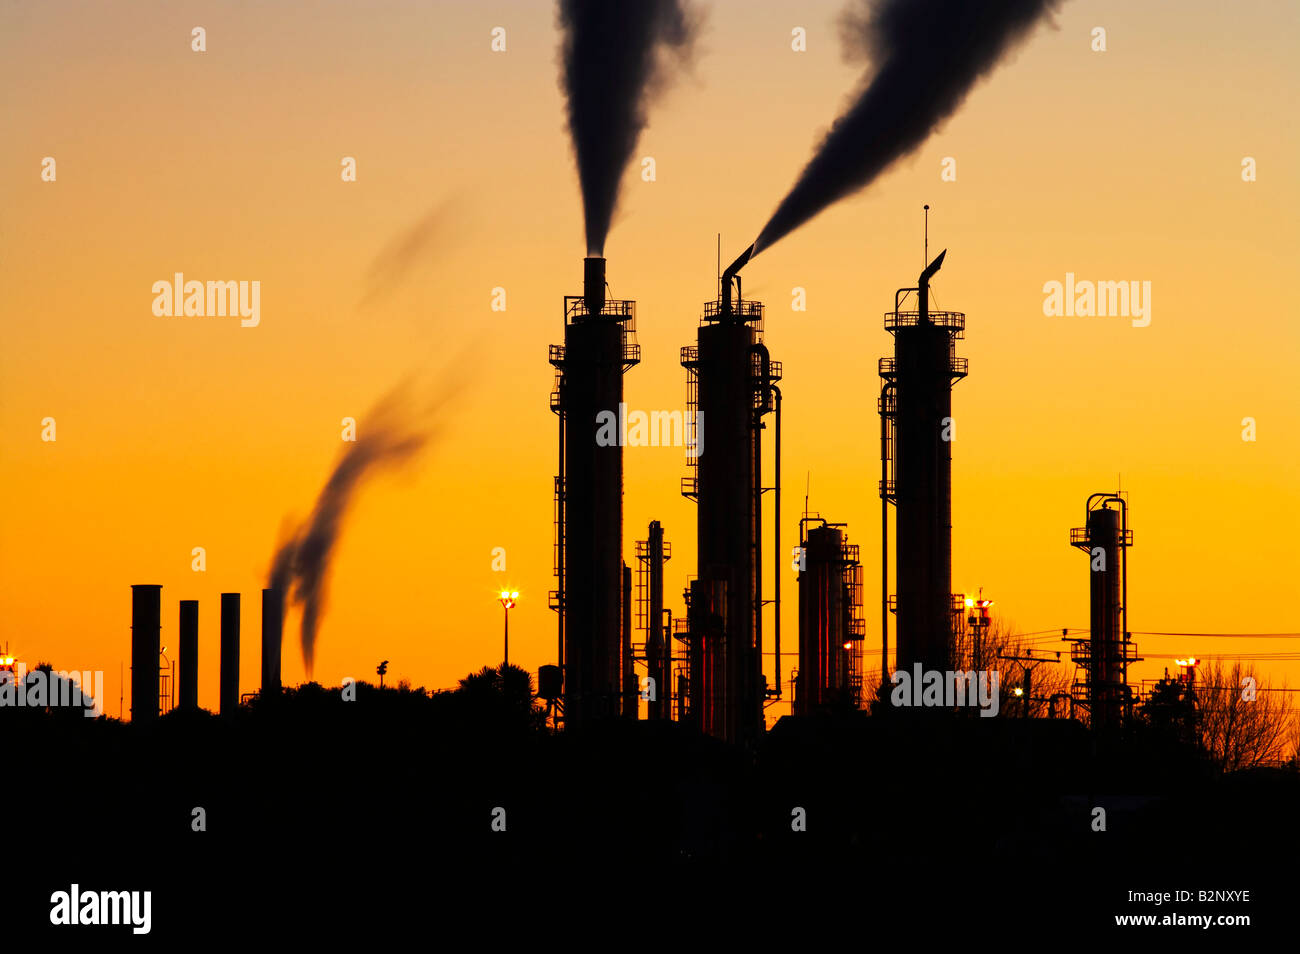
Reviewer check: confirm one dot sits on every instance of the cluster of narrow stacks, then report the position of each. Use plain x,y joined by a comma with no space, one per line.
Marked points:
593,588
149,697
916,477
831,628
731,390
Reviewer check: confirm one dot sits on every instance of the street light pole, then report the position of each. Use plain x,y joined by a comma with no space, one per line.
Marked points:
507,600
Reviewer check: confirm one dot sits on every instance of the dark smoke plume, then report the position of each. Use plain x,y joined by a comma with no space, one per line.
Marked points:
612,67
415,246
389,435
925,55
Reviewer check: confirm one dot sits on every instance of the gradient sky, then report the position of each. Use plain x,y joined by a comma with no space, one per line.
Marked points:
177,433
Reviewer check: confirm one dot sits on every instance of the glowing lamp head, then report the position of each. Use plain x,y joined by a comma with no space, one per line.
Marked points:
969,601
507,598
1018,691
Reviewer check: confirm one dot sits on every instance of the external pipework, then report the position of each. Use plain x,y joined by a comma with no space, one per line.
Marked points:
731,275
778,567
765,375
923,286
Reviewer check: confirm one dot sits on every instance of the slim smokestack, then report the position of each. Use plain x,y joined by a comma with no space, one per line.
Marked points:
229,693
146,631
593,284
925,56
272,632
189,654
923,286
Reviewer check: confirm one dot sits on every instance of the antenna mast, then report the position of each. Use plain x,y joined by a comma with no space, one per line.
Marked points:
925,260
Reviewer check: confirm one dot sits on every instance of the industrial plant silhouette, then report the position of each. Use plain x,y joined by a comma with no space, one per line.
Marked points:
655,748
644,741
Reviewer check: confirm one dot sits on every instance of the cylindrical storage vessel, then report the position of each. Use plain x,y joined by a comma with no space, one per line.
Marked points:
549,682
146,634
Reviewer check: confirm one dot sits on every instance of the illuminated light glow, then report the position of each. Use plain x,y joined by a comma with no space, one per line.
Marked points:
969,601
1018,691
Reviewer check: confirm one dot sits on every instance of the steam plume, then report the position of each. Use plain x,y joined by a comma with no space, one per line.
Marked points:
926,55
388,436
612,67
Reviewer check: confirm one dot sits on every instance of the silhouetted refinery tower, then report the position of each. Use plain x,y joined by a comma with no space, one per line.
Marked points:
599,347
730,387
831,628
1106,653
916,476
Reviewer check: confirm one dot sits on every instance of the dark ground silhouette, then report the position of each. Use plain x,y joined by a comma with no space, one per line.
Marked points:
317,808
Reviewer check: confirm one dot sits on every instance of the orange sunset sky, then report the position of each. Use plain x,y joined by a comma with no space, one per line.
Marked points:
175,433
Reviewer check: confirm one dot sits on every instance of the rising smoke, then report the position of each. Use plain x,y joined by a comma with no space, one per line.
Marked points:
925,55
414,247
613,65
388,436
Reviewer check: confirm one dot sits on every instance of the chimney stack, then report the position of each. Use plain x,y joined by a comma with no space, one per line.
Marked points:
272,608
593,285
146,629
189,655
229,653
